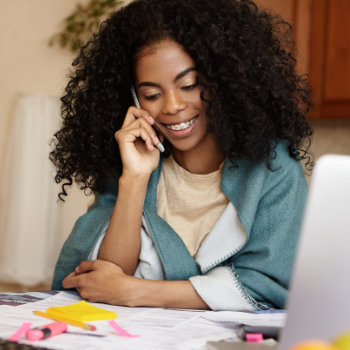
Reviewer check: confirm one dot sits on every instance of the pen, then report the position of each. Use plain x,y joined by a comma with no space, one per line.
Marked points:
66,320
49,330
159,145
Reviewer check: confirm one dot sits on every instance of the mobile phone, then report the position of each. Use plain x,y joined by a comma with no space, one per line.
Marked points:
134,96
159,145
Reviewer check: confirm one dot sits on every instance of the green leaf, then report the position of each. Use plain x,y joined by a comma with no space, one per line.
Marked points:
82,22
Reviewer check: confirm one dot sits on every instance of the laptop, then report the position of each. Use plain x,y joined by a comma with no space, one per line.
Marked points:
318,305
319,300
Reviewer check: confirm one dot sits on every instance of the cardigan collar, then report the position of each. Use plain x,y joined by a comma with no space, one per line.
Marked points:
181,265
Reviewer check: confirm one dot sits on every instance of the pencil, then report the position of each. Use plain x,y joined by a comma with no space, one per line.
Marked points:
67,320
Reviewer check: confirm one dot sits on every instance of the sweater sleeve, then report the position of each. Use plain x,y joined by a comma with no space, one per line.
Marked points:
83,237
265,263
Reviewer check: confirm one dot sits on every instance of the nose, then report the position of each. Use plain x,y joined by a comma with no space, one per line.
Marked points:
173,103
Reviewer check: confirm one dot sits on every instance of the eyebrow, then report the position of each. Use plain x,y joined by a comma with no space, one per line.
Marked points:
179,76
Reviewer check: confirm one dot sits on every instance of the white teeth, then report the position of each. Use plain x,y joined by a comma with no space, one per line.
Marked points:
181,126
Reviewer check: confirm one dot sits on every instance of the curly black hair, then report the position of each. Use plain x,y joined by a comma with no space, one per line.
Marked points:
243,55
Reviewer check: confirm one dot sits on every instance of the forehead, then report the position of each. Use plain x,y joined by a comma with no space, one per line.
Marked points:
163,59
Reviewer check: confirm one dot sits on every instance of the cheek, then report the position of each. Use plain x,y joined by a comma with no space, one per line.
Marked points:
152,108
197,102
204,123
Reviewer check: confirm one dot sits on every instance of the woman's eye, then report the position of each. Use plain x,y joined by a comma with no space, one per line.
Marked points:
190,87
151,97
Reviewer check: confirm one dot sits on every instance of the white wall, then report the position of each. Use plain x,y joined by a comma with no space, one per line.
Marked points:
28,65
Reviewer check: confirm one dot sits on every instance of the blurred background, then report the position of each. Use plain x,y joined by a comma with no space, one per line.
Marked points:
33,75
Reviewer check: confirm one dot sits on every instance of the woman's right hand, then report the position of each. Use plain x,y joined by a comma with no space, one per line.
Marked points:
137,140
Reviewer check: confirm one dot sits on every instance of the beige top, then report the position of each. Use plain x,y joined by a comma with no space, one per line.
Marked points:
190,203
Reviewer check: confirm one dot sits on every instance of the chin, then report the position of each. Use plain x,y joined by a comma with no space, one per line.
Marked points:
184,145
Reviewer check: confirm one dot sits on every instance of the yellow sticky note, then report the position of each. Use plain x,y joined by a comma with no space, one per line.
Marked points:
82,311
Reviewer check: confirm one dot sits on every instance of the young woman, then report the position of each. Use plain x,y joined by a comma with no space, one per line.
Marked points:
213,221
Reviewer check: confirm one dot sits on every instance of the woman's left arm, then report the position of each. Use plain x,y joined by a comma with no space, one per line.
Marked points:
103,281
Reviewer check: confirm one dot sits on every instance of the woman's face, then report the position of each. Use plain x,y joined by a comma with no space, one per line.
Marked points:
166,83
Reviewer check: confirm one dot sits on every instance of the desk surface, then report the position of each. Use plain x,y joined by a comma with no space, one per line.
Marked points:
159,329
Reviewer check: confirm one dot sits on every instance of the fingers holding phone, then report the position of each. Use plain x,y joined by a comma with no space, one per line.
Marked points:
138,125
137,142
159,145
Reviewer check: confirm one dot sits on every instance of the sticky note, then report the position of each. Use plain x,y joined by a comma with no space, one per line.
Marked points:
82,311
120,330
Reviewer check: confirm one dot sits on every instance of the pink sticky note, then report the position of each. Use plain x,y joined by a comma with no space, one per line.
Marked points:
121,331
20,331
254,337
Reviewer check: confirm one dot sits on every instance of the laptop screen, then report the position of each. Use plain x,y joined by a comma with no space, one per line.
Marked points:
319,300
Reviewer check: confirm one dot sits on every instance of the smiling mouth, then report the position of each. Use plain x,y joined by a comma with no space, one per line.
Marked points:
181,126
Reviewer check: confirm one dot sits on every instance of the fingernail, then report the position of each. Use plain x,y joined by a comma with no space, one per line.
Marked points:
155,140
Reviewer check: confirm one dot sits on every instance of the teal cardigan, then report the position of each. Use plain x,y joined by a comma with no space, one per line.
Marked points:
269,206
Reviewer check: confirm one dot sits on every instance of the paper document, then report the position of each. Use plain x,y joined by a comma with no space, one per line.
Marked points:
275,318
157,328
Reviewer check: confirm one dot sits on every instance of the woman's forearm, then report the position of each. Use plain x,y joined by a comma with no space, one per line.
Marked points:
121,245
174,294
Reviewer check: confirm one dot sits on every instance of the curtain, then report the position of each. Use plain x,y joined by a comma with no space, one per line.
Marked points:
29,213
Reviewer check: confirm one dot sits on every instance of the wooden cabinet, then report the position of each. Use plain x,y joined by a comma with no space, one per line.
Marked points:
329,64
322,33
